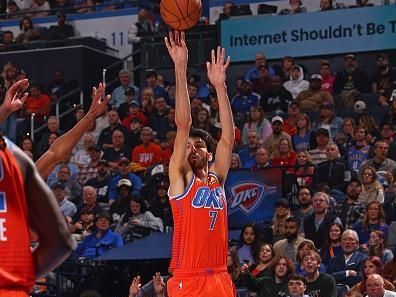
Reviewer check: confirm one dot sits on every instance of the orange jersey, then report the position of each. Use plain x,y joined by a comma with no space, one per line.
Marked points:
200,237
16,261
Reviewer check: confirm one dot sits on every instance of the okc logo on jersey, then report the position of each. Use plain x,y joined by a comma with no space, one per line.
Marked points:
248,195
207,198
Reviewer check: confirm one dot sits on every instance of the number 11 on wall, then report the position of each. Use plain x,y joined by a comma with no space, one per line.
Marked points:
114,38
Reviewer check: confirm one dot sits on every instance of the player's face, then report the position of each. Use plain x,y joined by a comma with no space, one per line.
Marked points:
248,235
197,153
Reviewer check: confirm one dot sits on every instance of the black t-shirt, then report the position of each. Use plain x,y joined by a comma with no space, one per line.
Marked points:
323,286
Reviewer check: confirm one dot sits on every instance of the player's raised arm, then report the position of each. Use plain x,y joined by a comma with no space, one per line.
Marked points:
217,77
177,49
64,145
14,99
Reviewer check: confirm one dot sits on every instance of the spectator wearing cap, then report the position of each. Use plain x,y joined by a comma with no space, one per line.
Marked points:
263,83
327,75
134,112
101,181
156,178
126,81
119,149
326,5
242,102
101,240
322,138
334,171
311,99
82,156
105,137
276,98
90,170
328,120
148,153
61,30
316,226
282,212
248,153
272,143
67,207
351,77
130,96
350,210
72,187
153,82
254,72
123,172
121,204
288,246
384,78
296,84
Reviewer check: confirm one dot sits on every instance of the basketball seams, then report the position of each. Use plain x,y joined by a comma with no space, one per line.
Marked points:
181,13
172,13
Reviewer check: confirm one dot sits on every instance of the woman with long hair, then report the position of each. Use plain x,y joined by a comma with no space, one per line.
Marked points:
147,100
249,242
261,268
202,121
344,138
233,266
372,190
332,246
370,266
257,122
284,155
235,161
304,139
374,219
369,122
376,247
304,169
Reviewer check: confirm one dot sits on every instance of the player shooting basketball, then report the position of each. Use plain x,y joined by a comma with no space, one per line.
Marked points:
200,239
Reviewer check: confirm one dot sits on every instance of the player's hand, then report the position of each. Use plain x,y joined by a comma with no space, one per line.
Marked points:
16,96
217,68
135,287
158,284
244,268
177,48
99,103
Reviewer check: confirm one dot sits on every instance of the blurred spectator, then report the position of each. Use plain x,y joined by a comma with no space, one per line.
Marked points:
384,79
74,170
332,246
118,95
286,67
71,187
290,123
390,117
364,3
263,83
28,147
147,100
153,180
13,9
52,127
90,170
101,181
388,135
304,198
304,139
241,104
58,86
105,137
261,268
39,8
284,155
67,207
61,30
296,84
133,113
137,221
276,98
375,287
248,153
235,161
226,14
153,82
257,122
84,225
82,157
123,172
374,219
249,243
202,121
158,119
101,240
326,74
160,205
313,98
372,189
328,120
304,169
7,41
377,246
282,212
75,117
345,138
318,154
359,152
28,32
254,72
297,286
63,5
272,143
326,5
295,7
89,201
262,159
118,150
351,78
148,153
124,110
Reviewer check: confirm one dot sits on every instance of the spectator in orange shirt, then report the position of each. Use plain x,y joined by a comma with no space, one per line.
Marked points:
37,103
147,153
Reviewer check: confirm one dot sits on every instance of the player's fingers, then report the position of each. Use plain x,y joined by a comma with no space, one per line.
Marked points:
177,41
167,43
227,63
171,39
218,55
213,56
183,35
222,50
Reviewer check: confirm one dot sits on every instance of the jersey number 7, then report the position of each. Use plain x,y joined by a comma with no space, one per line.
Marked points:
213,215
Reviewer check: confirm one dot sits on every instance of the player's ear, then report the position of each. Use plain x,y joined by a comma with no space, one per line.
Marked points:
210,157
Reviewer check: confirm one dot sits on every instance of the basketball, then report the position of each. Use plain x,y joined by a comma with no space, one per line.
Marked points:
181,14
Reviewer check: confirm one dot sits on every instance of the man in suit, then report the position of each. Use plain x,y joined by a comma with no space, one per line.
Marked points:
346,268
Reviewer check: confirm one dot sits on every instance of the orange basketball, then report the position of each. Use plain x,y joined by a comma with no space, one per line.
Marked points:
181,14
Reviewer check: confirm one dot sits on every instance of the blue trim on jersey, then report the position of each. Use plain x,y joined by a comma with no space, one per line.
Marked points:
177,197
